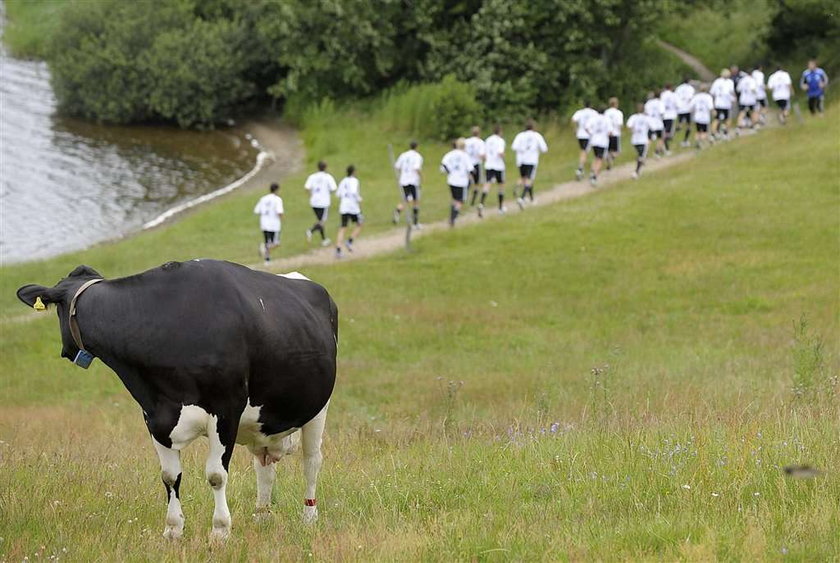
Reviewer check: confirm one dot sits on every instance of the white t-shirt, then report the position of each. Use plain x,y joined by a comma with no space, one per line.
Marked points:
528,145
579,118
494,150
669,104
779,83
723,91
758,76
616,118
747,91
409,164
349,196
456,164
702,105
474,147
654,108
684,92
269,208
598,126
320,184
640,125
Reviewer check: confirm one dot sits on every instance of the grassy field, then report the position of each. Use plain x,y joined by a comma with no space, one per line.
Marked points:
621,376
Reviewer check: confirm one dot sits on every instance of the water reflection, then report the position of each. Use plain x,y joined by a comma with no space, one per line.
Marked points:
66,183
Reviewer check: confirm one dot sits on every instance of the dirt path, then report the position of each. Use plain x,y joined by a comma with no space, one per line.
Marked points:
394,239
702,70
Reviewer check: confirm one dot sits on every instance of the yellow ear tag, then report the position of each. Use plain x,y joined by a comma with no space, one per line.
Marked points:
39,305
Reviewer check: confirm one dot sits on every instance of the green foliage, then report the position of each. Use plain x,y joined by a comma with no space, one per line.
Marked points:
721,33
29,24
802,29
452,109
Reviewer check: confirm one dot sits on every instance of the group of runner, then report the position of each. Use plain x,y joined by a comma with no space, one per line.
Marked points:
655,122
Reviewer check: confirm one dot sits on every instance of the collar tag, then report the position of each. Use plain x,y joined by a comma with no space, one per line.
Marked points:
83,359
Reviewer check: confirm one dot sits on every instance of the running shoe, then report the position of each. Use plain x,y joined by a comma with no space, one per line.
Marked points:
481,211
326,242
579,174
308,235
520,202
634,175
349,246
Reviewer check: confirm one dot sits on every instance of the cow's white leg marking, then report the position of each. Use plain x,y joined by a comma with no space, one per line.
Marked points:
170,466
265,482
312,434
217,476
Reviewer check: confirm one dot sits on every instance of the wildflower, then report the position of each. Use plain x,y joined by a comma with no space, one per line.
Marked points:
715,495
687,487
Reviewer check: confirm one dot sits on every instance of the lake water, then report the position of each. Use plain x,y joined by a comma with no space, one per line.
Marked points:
66,184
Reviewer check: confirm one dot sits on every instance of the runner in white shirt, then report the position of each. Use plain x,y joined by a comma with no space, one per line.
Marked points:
270,210
474,146
579,118
669,114
456,164
702,107
640,126
599,127
494,168
781,89
320,185
528,145
616,118
684,92
761,92
723,93
350,198
410,167
747,92
654,110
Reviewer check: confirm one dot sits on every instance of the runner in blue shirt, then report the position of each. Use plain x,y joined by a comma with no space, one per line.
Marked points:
814,81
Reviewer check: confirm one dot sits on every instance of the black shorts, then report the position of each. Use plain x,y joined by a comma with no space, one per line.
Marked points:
669,126
583,144
615,144
746,108
599,151
815,104
641,150
321,212
354,217
722,114
702,127
527,171
495,175
763,102
475,174
783,104
271,237
653,135
684,118
458,193
410,193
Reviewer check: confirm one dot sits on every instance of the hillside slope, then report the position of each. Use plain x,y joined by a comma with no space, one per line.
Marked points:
605,378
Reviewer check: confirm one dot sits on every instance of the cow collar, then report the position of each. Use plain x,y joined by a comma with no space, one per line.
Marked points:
83,357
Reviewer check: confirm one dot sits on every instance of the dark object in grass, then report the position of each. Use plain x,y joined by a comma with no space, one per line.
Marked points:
801,471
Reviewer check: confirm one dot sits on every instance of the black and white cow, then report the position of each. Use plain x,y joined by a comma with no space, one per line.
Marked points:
215,349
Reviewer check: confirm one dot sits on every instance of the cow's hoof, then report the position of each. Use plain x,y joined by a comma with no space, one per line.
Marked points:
262,513
310,514
219,535
173,533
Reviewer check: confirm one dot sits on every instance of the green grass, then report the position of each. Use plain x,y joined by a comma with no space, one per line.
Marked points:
722,35
607,378
29,22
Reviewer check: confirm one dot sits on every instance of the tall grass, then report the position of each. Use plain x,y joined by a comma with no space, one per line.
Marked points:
28,23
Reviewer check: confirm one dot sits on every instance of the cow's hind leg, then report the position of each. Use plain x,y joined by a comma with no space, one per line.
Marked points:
170,465
311,436
221,434
264,469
